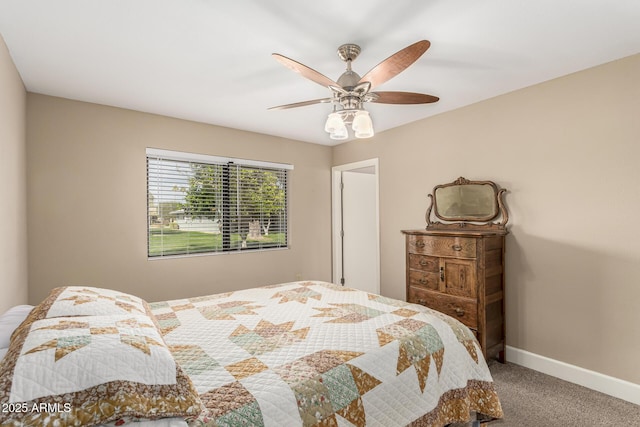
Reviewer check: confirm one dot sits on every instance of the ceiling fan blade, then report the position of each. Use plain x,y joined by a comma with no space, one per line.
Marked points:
301,104
305,71
395,64
403,98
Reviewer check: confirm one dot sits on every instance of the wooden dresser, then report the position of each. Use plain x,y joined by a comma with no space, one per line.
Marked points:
456,265
461,273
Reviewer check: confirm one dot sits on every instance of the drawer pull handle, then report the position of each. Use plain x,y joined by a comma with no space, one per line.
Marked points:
423,262
456,248
421,301
459,312
420,244
423,281
442,274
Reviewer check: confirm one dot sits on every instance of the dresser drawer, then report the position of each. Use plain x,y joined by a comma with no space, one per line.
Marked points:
424,279
463,309
447,246
424,263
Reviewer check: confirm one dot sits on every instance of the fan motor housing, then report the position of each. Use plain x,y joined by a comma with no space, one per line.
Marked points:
348,79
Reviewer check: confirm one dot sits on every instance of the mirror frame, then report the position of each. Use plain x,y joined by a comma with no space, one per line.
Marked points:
469,222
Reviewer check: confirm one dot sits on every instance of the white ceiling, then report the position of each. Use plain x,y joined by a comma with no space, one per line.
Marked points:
210,61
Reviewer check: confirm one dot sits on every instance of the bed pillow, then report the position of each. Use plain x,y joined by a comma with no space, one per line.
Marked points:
91,370
10,321
90,301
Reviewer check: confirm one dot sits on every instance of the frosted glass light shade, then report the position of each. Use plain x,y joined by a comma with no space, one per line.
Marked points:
340,133
334,122
362,125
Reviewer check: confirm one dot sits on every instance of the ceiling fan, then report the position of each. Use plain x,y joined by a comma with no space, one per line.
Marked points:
351,91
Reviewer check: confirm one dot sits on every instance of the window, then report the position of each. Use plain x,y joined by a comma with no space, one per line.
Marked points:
202,204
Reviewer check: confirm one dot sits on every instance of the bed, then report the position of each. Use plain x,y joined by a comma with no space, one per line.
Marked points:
295,354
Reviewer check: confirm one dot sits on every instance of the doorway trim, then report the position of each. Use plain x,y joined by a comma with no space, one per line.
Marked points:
336,216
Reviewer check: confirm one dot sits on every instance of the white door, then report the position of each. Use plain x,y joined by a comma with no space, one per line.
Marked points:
356,235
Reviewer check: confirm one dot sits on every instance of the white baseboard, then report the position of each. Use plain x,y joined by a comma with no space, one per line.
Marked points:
612,386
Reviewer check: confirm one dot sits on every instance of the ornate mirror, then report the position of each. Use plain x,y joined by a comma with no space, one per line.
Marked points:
470,204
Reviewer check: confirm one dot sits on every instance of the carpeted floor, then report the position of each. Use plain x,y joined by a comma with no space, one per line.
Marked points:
532,399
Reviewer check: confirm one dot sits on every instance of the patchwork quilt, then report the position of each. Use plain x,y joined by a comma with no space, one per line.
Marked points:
316,354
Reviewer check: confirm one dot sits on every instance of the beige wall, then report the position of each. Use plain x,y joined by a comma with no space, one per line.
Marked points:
87,203
568,151
13,193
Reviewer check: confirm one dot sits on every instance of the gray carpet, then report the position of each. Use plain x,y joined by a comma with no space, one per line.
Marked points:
532,399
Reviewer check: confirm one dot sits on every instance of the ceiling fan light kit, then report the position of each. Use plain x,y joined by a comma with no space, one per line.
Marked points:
360,121
351,91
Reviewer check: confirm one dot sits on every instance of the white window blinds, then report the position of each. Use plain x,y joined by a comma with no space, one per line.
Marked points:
201,204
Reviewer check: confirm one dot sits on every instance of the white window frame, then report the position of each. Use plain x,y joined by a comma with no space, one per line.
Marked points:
179,156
